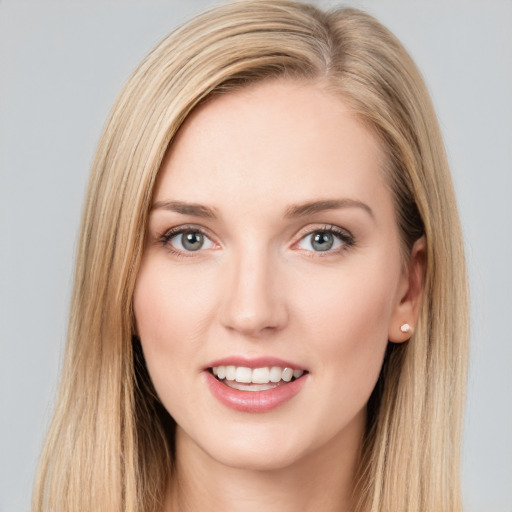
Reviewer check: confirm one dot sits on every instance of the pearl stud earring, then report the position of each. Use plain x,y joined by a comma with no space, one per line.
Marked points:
405,328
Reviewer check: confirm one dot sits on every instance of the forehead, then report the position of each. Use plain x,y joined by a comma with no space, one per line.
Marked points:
290,137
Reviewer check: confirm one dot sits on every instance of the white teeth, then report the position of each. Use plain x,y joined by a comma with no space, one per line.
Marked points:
244,375
275,374
260,375
287,374
230,372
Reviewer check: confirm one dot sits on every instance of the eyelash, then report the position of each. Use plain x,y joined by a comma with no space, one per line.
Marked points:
166,238
346,238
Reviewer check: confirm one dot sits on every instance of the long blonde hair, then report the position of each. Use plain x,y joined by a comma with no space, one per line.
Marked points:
110,445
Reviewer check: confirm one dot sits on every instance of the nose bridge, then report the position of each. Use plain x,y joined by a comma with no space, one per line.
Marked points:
252,302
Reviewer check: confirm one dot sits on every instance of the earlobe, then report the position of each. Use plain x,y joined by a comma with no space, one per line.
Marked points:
407,308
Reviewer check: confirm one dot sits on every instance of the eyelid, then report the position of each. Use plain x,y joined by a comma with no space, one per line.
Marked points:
169,234
343,234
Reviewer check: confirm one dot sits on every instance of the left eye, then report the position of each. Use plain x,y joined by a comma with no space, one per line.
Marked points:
321,241
190,241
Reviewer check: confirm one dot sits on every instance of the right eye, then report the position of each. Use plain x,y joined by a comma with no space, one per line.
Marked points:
188,240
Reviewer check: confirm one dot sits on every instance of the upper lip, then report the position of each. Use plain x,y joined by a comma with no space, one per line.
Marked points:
254,362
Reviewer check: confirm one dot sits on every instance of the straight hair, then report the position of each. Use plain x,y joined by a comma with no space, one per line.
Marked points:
110,444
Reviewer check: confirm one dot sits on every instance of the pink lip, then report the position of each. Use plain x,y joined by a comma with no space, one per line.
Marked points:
253,401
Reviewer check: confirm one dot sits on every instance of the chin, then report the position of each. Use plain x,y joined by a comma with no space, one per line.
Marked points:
263,447
269,446
257,458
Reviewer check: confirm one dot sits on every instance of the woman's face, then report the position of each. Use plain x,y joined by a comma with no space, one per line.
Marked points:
272,244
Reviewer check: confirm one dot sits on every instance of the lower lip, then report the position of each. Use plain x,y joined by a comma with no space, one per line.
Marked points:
254,401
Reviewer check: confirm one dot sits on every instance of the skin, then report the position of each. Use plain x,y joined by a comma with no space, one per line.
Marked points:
258,287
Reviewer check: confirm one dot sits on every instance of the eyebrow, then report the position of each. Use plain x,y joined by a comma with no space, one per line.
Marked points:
293,211
311,207
194,209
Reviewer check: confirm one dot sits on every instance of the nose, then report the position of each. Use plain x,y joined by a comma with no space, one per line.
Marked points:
253,301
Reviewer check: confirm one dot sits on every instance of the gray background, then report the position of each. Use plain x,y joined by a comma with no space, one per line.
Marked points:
62,63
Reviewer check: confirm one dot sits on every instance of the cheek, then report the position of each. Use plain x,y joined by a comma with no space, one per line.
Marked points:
166,304
347,319
350,305
170,318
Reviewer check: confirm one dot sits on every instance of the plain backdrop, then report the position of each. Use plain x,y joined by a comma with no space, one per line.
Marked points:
62,64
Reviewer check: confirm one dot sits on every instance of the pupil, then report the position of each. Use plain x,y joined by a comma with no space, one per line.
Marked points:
322,241
192,241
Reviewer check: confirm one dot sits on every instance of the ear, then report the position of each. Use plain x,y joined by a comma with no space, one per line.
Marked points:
410,291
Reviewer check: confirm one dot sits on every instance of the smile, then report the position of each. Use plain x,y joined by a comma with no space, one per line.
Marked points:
257,386
255,379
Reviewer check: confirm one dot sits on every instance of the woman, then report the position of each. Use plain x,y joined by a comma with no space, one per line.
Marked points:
270,299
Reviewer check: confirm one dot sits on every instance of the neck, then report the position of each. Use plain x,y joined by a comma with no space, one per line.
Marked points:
320,480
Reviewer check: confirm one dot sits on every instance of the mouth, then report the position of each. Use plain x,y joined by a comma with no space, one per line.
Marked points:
255,379
257,385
